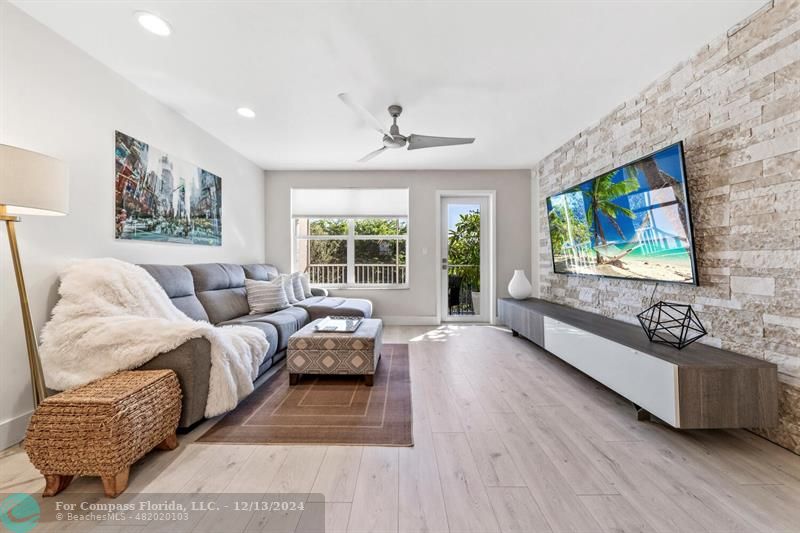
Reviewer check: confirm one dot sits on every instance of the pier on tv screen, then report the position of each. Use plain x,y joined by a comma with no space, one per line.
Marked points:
632,222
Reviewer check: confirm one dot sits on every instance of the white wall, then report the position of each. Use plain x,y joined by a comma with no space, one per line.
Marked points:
418,303
57,100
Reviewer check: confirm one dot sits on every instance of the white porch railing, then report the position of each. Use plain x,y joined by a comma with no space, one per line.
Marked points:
327,274
365,274
380,274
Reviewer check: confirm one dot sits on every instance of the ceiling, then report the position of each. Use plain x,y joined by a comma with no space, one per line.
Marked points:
522,77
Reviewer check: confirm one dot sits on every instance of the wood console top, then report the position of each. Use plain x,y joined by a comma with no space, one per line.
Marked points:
632,336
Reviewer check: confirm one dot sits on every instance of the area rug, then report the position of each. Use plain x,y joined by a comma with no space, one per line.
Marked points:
326,410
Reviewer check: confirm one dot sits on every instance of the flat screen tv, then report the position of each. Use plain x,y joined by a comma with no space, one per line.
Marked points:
633,222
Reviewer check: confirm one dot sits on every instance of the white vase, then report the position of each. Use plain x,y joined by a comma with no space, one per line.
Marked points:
519,287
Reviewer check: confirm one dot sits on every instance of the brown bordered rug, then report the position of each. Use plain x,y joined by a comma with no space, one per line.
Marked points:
326,410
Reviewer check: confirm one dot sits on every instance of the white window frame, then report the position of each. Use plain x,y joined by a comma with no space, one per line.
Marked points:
351,239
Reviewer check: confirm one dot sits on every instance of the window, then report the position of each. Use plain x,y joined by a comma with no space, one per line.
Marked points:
352,252
354,237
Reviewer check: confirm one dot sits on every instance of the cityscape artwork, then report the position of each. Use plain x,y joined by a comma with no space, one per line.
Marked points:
162,198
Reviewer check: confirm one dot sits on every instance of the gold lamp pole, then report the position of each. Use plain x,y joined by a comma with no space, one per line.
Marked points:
37,376
31,184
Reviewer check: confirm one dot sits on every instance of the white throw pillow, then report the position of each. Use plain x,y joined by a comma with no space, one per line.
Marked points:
265,296
306,285
288,287
297,286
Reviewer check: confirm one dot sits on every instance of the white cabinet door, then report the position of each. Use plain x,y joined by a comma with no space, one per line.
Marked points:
645,380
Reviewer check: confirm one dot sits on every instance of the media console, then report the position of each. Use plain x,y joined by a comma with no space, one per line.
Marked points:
697,387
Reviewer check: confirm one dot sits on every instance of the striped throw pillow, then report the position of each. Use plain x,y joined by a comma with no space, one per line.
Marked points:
288,288
297,286
265,296
306,285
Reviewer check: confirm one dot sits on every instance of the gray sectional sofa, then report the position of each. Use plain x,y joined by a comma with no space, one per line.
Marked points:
215,293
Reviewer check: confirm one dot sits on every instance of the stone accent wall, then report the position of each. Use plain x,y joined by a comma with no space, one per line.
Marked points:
736,106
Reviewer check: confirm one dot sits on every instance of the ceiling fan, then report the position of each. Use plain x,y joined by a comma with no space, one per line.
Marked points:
393,138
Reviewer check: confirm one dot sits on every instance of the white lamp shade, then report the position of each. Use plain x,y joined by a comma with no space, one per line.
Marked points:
32,183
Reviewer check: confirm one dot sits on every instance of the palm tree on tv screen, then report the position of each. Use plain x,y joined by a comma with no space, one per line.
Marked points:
601,197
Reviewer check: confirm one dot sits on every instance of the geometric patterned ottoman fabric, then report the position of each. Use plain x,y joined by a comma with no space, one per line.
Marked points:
315,352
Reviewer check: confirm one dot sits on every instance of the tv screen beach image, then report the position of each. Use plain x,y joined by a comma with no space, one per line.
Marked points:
632,222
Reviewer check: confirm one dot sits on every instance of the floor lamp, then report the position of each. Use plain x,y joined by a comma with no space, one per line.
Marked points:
30,184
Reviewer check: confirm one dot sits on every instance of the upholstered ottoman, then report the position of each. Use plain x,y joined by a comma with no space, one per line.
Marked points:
325,352
102,428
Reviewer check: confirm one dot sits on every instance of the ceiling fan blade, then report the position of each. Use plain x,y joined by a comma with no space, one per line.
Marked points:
366,117
416,142
372,154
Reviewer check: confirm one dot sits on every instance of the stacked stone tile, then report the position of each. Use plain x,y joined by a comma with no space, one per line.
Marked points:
736,106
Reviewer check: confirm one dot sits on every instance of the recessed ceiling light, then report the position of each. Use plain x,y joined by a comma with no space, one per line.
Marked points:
153,23
246,112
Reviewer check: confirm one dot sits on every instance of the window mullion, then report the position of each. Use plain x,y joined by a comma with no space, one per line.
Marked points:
351,252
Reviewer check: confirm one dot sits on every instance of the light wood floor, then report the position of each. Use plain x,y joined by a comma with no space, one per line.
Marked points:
507,438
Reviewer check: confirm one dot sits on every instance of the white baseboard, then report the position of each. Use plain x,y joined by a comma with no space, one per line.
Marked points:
12,431
410,320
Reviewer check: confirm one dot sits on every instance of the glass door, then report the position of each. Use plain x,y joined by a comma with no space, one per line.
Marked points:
464,259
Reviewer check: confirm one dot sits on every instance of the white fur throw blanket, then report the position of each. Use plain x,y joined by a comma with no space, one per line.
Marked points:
114,316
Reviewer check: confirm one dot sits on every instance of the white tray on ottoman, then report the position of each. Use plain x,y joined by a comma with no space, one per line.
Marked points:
328,352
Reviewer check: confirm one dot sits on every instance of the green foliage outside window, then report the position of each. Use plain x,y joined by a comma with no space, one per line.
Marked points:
328,252
367,251
380,226
327,226
464,248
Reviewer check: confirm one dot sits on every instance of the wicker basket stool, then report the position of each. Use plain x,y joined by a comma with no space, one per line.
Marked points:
102,428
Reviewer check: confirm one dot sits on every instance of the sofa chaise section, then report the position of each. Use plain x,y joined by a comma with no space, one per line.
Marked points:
322,306
215,293
319,305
